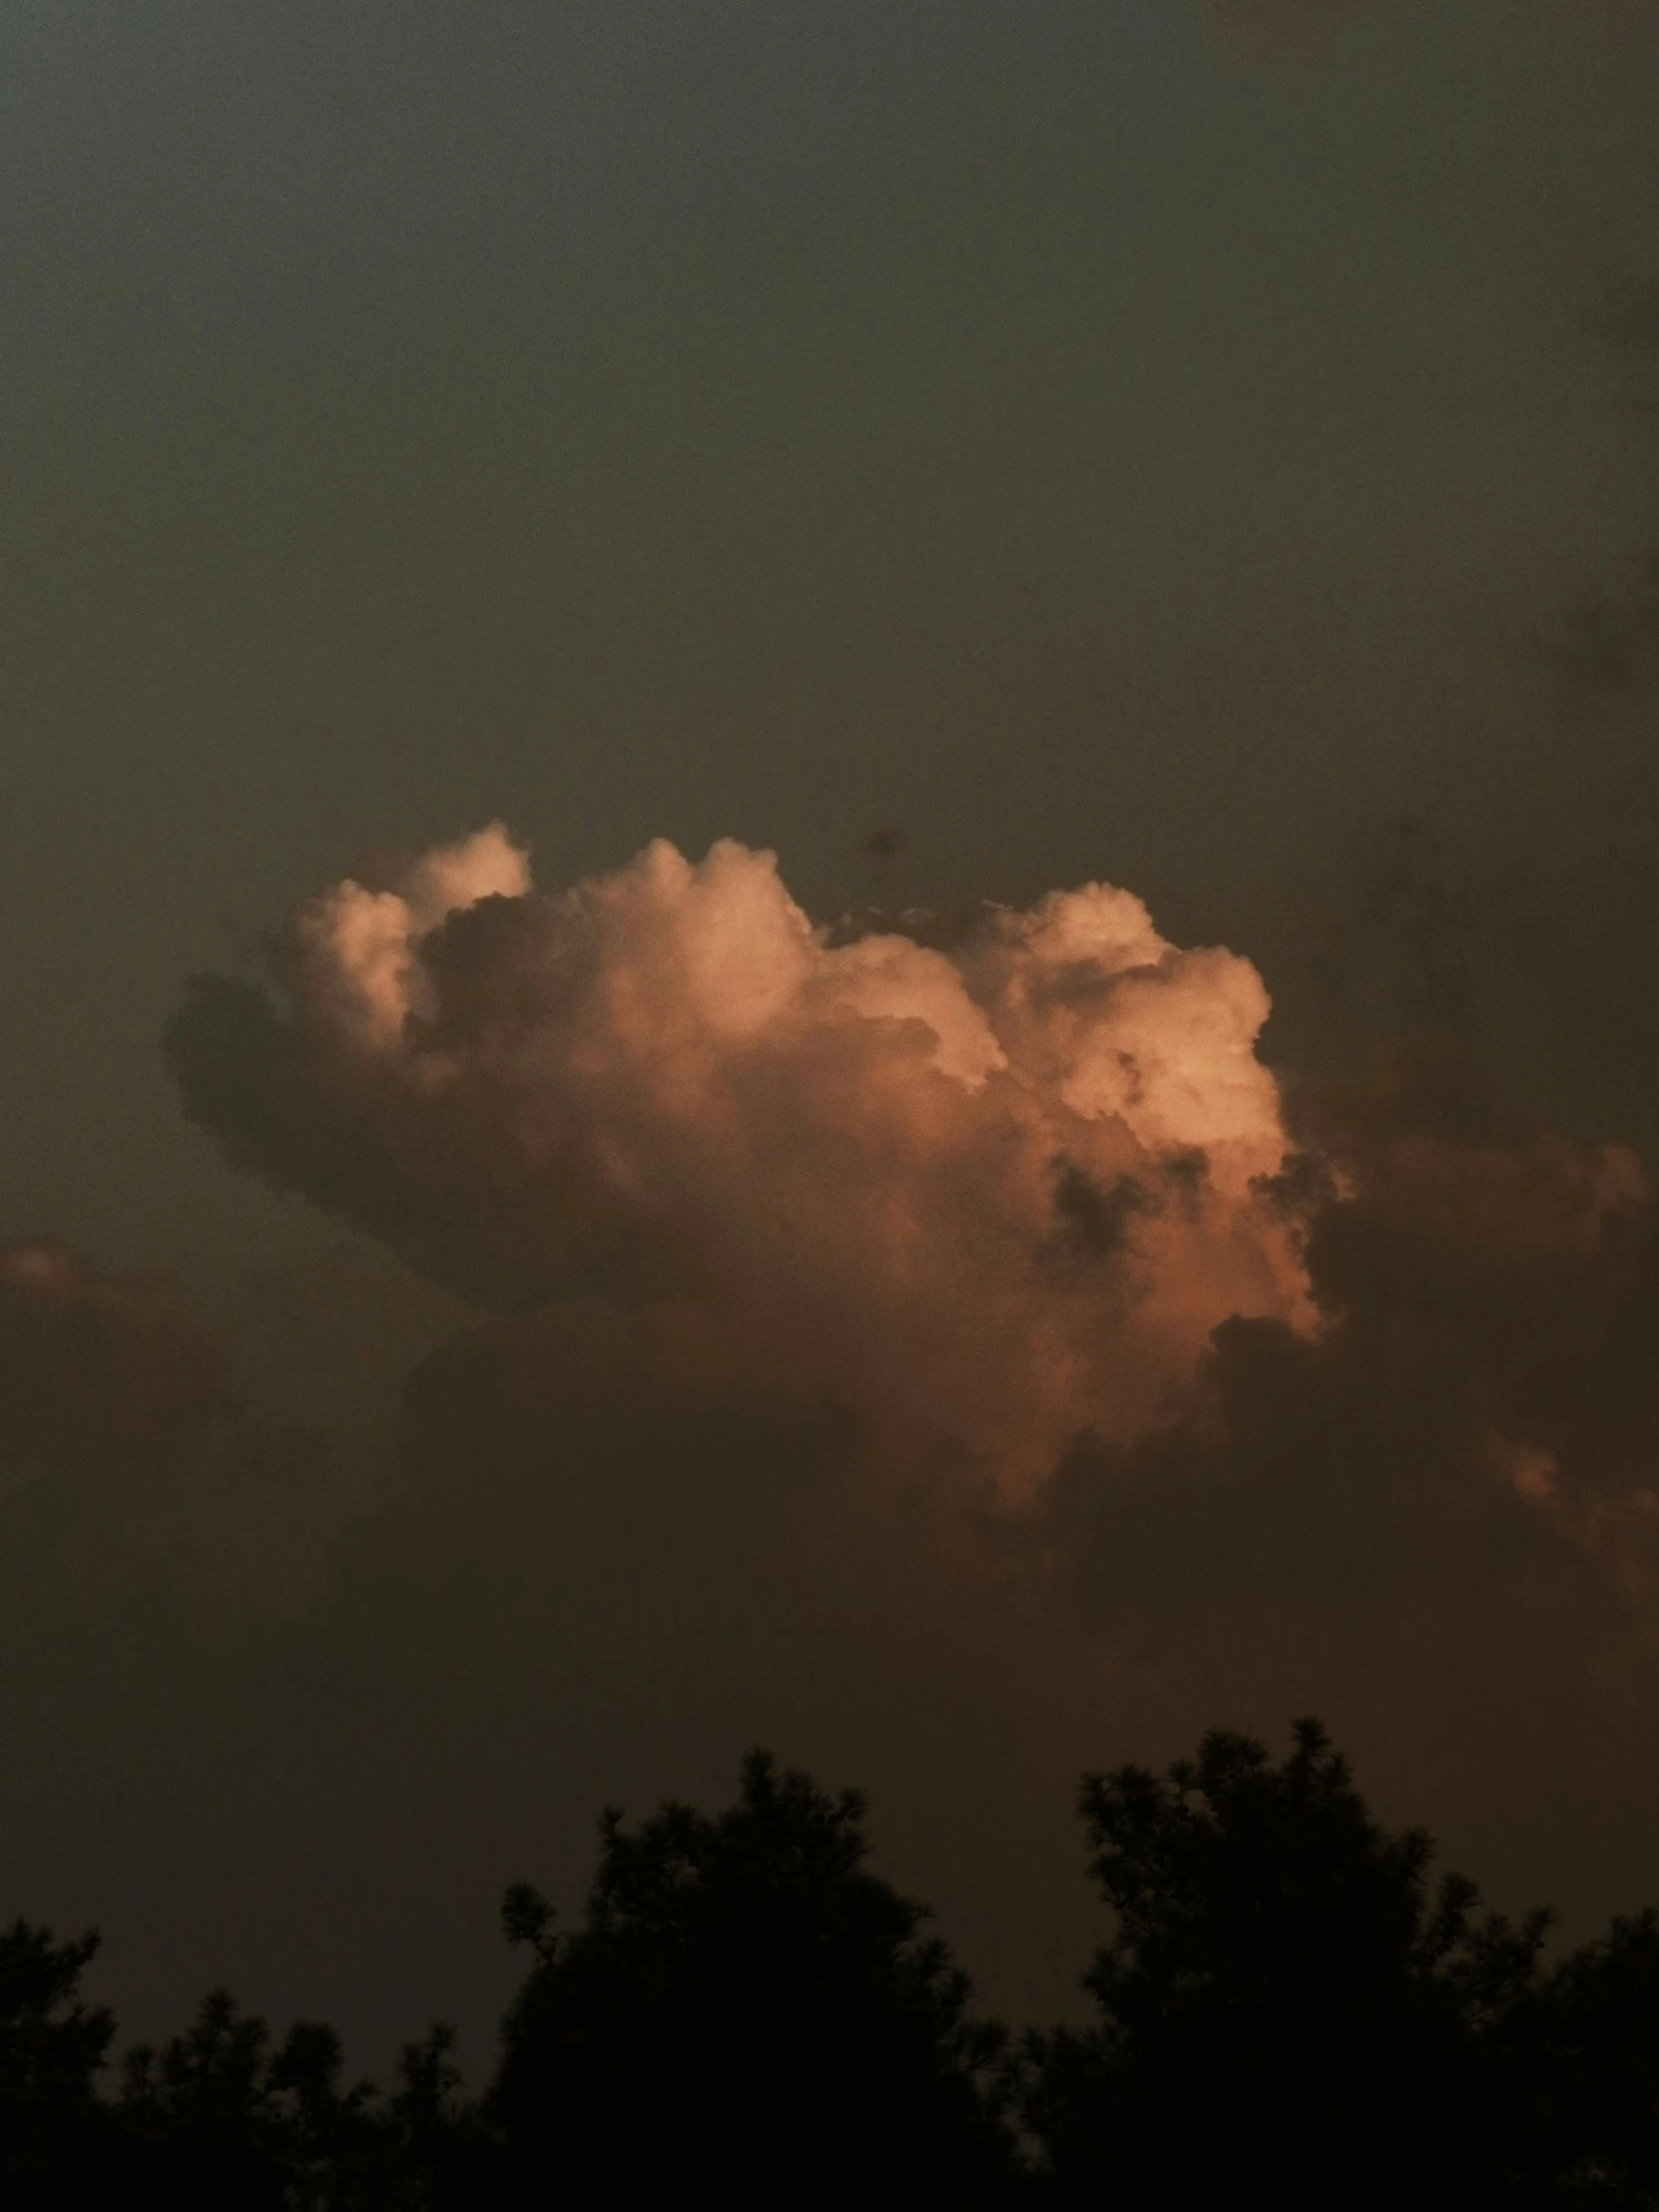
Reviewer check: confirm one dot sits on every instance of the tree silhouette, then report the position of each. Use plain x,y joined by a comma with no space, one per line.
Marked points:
1585,2068
1283,2007
215,2117
52,2129
218,2118
746,2006
1286,2012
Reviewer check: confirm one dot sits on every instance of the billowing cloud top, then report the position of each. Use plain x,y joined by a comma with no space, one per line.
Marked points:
1005,1192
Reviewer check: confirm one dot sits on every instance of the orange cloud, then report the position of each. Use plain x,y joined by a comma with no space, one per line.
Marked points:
1004,1191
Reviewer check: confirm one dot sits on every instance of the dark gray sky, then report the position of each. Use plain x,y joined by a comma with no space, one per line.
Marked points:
1028,426
1138,439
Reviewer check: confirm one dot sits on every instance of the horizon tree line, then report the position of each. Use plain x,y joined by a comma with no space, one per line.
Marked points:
1288,2007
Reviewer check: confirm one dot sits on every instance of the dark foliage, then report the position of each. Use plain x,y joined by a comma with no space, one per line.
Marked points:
1586,2064
1287,2011
743,2005
219,2117
52,2129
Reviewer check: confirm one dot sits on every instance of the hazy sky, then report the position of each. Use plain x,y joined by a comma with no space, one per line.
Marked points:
1207,448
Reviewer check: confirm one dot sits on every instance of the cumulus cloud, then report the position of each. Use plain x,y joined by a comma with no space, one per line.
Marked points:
957,1362
1004,1190
1442,1509
627,1541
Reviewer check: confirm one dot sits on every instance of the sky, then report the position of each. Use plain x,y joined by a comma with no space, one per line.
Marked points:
828,855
